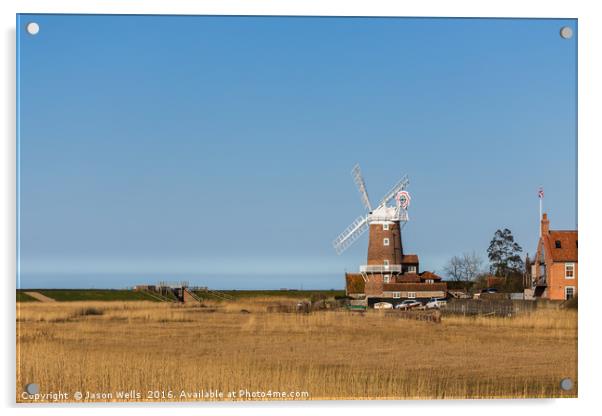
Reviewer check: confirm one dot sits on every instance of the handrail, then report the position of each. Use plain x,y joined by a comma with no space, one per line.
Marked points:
220,294
193,295
380,268
157,296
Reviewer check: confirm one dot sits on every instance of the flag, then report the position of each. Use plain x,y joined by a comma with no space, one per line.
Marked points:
540,192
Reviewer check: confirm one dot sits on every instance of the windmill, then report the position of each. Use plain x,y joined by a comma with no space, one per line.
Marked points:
385,222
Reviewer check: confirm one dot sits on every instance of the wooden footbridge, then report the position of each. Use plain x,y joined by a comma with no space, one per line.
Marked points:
180,292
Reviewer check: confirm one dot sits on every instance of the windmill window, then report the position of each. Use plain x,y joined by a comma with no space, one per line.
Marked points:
385,227
558,245
386,263
386,241
387,278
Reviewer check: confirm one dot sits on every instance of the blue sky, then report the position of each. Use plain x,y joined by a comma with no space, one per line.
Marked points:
219,149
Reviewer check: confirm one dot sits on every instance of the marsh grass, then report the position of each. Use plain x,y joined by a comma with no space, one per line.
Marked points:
111,346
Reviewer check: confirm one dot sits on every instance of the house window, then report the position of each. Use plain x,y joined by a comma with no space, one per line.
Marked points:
385,227
411,269
387,278
557,243
569,292
386,241
396,295
429,281
411,295
569,270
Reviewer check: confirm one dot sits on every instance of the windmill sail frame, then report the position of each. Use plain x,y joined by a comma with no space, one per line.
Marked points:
381,213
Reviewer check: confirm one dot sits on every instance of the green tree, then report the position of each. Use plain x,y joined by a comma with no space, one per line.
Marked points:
504,254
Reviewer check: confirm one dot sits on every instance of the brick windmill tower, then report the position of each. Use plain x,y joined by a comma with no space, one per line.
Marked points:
386,259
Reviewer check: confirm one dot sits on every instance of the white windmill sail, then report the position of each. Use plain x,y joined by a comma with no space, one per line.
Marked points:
399,186
351,233
382,212
361,185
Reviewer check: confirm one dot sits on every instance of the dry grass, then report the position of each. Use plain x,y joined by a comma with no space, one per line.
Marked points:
113,346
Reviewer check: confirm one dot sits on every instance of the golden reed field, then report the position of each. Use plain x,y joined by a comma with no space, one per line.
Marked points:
167,352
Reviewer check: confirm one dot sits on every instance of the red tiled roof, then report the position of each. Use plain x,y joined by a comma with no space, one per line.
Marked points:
494,280
355,283
429,275
409,259
414,287
568,250
407,278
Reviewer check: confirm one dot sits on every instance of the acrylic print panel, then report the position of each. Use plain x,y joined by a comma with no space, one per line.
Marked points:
194,224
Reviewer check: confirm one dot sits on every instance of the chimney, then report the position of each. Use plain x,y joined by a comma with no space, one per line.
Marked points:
545,224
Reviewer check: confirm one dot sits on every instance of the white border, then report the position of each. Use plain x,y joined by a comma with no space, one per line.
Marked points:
590,70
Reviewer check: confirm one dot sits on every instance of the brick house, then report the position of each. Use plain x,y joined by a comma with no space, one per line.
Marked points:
390,274
554,272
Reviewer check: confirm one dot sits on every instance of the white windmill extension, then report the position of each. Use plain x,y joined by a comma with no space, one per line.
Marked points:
382,214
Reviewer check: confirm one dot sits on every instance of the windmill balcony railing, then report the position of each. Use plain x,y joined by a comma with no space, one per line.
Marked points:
380,268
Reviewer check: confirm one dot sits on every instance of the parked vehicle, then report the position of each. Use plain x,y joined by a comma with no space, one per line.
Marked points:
436,303
383,305
408,304
489,290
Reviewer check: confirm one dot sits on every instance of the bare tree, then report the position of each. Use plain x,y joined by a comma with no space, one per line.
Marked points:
454,269
465,268
472,265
